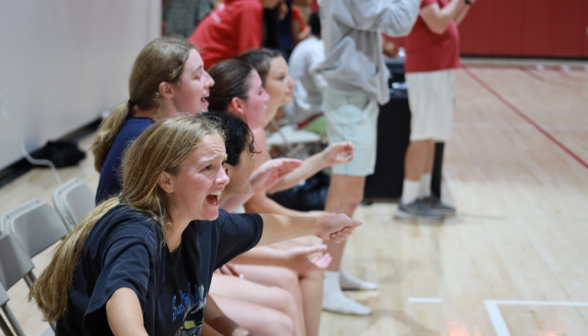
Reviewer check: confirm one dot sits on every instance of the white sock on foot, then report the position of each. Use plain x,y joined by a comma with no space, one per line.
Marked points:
425,186
410,191
348,281
334,300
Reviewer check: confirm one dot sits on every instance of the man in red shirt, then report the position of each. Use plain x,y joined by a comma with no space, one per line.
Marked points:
432,56
232,28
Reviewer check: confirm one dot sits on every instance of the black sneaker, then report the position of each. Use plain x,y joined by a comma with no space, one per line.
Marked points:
435,203
417,209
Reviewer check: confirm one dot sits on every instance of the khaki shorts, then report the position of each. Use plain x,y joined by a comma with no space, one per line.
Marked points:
431,98
352,116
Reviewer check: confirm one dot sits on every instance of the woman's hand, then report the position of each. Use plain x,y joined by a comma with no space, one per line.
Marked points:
337,228
300,259
341,152
270,172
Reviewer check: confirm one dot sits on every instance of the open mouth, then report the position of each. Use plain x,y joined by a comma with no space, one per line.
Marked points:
213,198
203,99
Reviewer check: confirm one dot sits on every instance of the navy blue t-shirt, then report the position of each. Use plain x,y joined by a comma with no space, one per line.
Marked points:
124,250
110,183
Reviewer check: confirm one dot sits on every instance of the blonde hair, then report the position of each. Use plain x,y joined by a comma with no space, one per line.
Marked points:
161,148
162,60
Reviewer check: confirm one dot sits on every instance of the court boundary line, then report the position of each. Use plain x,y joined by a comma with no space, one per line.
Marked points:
424,300
526,118
498,321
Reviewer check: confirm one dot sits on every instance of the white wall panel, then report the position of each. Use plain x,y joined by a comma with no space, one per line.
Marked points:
62,62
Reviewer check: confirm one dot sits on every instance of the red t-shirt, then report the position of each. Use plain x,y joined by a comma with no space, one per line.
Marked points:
427,51
232,28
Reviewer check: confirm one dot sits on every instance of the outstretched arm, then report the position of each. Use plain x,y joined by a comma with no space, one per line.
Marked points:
278,228
334,154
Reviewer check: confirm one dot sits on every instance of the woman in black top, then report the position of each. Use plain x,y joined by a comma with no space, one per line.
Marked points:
141,263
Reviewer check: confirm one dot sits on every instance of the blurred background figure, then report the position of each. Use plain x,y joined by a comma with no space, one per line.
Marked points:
432,56
180,17
357,81
232,28
307,108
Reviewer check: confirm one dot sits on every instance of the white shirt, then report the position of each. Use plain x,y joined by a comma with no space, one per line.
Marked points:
307,94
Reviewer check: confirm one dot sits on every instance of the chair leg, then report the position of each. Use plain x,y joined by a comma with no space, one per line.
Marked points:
12,320
4,327
30,279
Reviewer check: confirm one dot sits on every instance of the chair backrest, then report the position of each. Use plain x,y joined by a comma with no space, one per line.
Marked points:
35,224
14,261
73,201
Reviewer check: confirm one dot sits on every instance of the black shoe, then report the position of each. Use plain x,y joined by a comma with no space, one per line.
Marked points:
417,209
435,203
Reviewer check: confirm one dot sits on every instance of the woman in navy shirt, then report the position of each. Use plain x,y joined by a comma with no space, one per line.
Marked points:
140,263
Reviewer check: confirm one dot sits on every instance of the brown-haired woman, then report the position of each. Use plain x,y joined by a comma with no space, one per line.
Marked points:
168,78
241,90
139,263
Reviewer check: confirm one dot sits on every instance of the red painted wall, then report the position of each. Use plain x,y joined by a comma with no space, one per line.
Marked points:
549,28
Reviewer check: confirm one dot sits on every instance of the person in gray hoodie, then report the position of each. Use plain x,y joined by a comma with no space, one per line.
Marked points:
357,82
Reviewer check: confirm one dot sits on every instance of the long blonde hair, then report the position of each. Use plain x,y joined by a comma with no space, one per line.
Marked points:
161,60
161,148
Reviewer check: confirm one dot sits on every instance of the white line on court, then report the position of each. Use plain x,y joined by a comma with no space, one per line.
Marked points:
498,320
425,300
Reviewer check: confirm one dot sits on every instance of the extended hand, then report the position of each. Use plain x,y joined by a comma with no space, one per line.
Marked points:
341,152
300,259
337,228
270,172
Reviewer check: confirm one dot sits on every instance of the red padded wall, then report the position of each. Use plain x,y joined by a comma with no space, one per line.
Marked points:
549,28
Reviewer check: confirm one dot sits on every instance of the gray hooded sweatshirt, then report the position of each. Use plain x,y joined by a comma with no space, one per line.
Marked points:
351,31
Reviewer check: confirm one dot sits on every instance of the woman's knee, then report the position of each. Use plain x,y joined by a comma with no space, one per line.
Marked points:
278,323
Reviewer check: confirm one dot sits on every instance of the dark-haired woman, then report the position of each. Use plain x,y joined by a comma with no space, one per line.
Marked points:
242,91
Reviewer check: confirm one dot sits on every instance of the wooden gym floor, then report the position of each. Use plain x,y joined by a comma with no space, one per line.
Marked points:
515,259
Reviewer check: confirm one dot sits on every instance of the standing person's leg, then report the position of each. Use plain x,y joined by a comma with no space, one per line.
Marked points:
418,160
430,99
444,101
350,116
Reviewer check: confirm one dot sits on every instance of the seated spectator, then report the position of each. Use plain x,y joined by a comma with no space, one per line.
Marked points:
139,263
307,105
232,28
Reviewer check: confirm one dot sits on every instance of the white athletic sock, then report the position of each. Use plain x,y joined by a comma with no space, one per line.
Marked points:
334,300
348,281
425,186
410,191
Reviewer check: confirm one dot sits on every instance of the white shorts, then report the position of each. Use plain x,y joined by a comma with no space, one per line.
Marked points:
431,98
352,116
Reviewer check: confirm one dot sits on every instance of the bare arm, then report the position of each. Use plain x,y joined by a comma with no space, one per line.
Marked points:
278,228
124,313
334,154
260,203
437,18
462,15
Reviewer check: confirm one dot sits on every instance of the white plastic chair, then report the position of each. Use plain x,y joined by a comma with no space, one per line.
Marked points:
73,201
14,265
35,224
